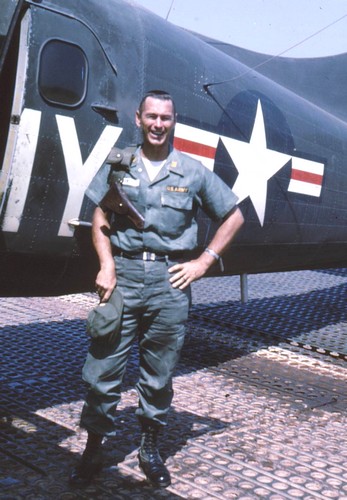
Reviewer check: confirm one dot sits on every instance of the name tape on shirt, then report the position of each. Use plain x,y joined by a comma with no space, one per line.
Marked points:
177,189
128,181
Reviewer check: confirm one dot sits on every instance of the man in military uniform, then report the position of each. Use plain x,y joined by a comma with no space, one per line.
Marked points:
152,269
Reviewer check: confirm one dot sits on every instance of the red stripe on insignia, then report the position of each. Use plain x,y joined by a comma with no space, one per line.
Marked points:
194,148
301,175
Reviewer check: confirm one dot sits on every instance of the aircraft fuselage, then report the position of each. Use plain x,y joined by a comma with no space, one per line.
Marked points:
71,79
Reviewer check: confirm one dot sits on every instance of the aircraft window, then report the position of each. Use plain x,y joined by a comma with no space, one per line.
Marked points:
63,73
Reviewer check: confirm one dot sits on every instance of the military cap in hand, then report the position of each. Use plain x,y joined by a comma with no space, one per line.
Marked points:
105,319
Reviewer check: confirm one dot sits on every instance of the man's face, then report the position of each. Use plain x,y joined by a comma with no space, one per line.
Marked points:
156,120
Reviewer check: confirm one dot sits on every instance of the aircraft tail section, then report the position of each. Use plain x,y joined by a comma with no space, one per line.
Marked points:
319,80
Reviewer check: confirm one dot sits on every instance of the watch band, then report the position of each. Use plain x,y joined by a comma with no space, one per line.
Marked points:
212,253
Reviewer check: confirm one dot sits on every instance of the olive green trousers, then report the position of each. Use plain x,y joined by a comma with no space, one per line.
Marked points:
155,314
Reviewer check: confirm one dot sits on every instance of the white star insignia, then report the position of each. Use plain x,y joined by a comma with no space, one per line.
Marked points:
256,164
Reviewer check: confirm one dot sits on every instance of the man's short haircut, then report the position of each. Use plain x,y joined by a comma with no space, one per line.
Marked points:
157,94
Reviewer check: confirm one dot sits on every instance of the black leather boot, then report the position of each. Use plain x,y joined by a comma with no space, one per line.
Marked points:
150,460
90,463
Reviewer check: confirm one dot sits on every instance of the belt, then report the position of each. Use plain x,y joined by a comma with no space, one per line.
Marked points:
149,255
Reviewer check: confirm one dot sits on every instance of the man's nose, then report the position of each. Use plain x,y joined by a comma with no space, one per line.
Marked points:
158,122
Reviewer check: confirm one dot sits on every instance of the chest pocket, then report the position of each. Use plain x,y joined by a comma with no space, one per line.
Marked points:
176,213
179,201
131,190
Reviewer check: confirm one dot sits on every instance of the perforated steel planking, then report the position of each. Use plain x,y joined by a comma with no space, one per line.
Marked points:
254,414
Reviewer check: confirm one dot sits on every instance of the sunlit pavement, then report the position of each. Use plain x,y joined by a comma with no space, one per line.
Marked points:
260,396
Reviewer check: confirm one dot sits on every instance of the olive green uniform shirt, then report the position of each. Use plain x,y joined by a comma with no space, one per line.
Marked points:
169,203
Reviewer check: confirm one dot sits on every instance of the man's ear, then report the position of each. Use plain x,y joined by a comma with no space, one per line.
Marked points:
138,118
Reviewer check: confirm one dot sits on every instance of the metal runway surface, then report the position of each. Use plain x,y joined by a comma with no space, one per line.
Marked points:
260,396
